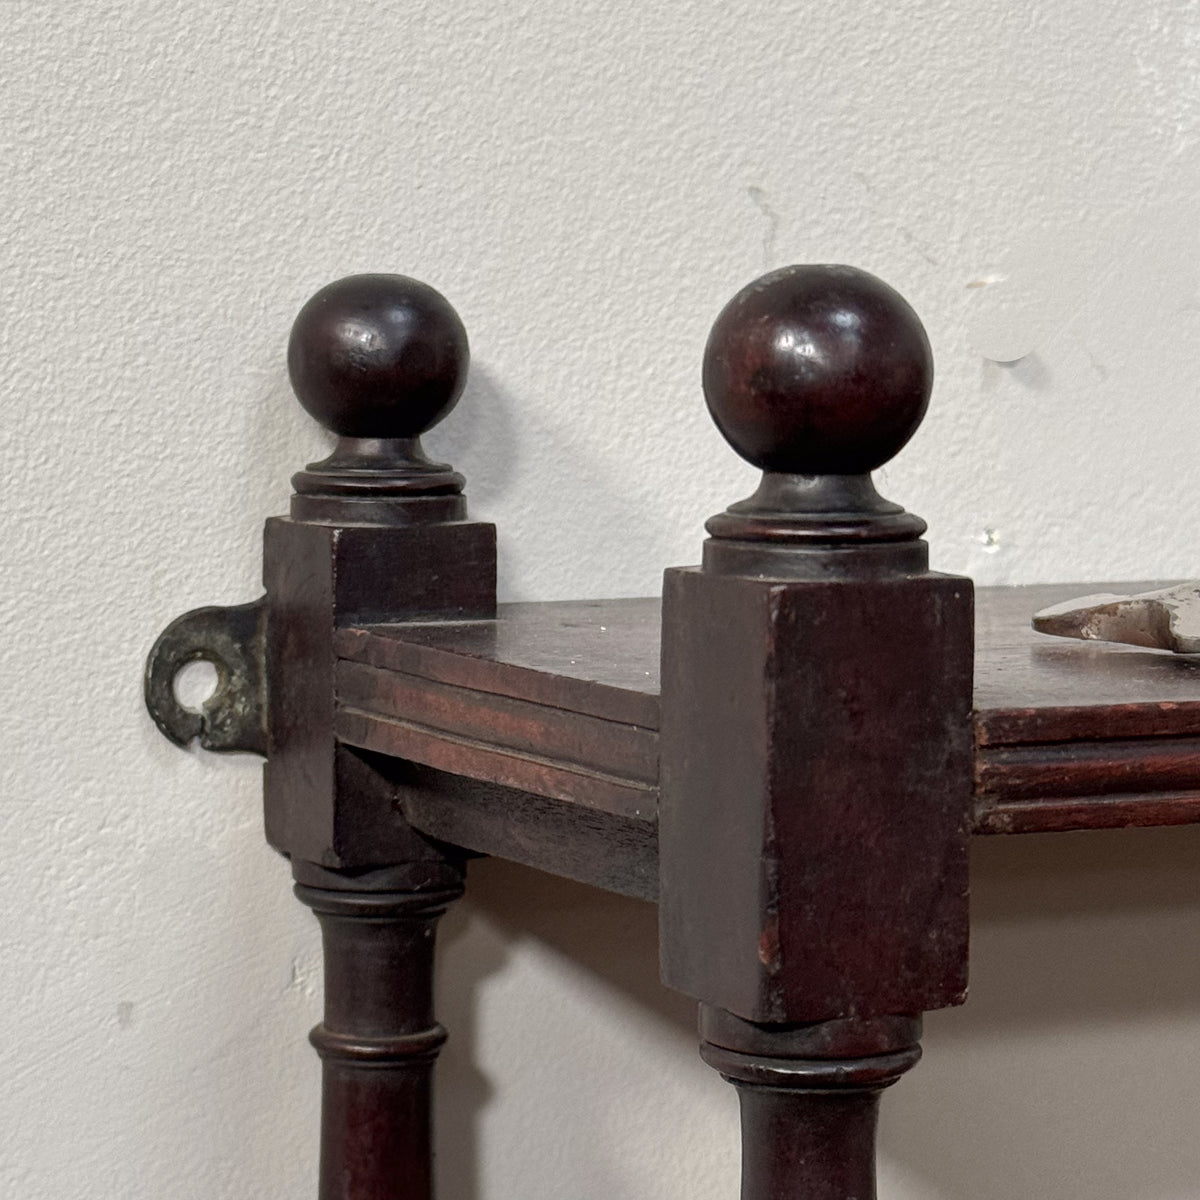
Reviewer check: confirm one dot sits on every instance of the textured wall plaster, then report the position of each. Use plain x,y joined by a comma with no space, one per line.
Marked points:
588,183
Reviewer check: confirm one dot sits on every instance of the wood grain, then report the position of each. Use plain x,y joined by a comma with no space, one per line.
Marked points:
561,701
598,657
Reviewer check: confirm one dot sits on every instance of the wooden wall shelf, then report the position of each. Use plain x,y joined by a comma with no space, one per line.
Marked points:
560,700
789,752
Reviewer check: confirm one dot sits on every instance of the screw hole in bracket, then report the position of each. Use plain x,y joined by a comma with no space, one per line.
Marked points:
230,643
195,684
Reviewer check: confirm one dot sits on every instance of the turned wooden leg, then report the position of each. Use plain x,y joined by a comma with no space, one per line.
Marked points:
809,1098
379,1039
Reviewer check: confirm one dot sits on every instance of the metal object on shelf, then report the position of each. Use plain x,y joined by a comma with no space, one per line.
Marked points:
1165,619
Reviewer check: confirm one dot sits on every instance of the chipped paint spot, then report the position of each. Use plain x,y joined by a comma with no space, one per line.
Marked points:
302,978
762,202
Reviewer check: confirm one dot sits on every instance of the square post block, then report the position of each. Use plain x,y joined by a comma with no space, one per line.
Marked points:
323,803
816,769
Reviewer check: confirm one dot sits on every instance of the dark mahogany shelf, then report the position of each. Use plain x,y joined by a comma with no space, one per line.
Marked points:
552,709
796,789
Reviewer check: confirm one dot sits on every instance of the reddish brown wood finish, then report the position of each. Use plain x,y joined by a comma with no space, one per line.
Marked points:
1079,735
1070,735
1030,687
542,744
808,766
596,657
376,531
378,356
619,854
816,743
809,1098
379,707
823,776
319,576
379,1039
793,371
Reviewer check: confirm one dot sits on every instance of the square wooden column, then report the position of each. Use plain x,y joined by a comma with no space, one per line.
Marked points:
816,747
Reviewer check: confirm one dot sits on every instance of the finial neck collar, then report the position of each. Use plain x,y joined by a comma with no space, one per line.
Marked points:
377,481
829,509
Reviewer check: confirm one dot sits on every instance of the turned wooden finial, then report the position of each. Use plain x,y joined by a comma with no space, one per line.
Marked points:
815,736
817,374
378,360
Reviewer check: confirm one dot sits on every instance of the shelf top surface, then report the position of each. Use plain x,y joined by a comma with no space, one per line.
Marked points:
601,657
592,656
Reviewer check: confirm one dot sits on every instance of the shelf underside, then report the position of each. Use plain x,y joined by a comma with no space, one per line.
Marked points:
535,735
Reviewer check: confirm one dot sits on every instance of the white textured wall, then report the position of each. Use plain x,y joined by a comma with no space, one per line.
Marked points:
588,183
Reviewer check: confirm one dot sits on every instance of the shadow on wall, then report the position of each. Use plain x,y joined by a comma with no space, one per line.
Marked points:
1072,1072
559,982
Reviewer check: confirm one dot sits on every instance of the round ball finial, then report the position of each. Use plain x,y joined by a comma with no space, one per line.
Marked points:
817,370
378,356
